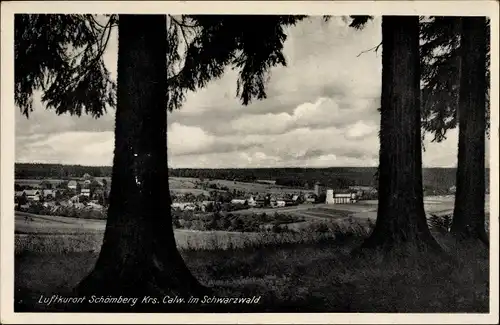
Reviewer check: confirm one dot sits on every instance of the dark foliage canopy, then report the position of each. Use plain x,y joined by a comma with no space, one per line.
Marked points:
440,70
62,56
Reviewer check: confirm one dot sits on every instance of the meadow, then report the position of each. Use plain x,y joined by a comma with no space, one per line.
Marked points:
317,275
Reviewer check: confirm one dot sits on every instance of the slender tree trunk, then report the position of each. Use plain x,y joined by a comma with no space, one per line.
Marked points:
469,214
139,255
401,219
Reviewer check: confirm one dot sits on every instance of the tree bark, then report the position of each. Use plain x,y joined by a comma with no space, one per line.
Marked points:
139,255
401,219
469,212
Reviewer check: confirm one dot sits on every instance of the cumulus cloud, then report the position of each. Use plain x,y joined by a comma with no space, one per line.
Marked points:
324,112
321,111
73,147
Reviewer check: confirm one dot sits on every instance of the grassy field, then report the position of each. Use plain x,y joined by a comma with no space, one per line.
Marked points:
303,277
308,271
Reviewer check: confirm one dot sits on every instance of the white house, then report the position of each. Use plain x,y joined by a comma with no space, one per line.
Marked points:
251,201
49,194
33,195
85,192
340,198
280,203
183,206
72,185
238,201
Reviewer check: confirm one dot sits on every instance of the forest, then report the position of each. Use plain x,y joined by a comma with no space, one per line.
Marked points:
434,179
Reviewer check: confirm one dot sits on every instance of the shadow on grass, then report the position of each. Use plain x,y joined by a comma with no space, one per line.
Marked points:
295,277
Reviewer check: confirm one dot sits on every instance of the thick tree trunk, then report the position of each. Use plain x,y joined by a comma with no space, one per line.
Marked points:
469,214
401,219
139,255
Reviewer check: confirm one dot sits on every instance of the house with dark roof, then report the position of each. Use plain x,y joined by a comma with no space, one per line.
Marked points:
33,195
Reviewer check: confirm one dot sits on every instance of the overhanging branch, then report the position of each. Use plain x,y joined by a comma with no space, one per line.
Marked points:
375,49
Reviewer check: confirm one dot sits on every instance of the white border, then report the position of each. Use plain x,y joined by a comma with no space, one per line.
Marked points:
458,8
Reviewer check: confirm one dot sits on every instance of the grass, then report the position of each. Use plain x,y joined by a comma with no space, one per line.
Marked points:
311,272
188,240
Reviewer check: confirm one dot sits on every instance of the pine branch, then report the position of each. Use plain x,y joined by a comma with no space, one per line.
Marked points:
375,49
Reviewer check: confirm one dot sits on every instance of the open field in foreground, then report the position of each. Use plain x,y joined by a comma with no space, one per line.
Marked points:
304,272
308,277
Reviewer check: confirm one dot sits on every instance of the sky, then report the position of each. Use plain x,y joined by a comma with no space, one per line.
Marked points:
321,111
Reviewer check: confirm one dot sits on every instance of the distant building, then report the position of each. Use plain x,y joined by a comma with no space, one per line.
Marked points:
87,177
33,195
339,198
19,193
206,204
310,198
319,189
266,181
239,201
363,190
280,203
183,206
85,192
251,201
72,185
329,196
260,200
49,194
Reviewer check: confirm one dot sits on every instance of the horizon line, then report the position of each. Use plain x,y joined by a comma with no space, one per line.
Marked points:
268,167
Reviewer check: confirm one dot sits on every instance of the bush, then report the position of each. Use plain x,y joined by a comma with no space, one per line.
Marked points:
441,224
237,224
276,229
187,224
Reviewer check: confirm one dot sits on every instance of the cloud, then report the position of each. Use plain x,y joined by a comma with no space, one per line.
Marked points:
188,139
321,111
74,147
324,112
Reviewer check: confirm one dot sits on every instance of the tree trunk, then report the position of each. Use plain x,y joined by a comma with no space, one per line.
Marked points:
469,214
401,219
139,255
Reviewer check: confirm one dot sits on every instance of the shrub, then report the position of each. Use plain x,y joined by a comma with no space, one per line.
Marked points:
440,224
187,224
276,229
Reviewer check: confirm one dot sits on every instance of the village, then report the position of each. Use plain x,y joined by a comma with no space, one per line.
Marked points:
92,193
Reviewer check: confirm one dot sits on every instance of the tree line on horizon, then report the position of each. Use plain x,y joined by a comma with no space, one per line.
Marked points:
139,254
435,179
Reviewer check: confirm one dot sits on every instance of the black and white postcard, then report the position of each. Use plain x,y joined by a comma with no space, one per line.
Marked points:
249,162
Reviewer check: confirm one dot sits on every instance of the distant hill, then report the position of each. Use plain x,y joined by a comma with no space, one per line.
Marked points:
433,178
